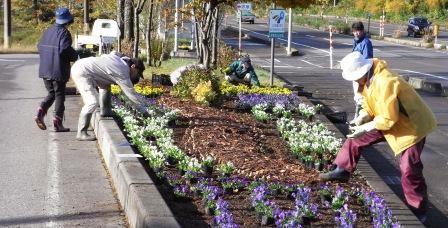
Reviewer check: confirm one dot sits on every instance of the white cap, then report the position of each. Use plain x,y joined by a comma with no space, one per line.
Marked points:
354,66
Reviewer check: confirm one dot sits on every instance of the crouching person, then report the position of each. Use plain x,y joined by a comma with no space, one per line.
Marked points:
394,112
241,71
102,72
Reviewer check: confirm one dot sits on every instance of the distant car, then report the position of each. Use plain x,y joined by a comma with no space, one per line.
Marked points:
418,26
247,16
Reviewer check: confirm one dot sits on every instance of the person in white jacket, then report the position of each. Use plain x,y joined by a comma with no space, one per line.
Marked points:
102,72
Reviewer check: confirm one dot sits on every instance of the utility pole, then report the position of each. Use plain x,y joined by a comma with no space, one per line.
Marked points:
7,24
271,76
289,31
176,29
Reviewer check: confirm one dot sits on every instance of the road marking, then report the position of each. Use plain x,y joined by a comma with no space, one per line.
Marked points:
276,60
377,50
303,45
129,156
275,66
347,44
311,63
52,203
12,60
310,36
426,74
392,180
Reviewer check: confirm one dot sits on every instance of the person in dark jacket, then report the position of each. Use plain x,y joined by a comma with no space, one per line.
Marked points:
56,53
361,44
241,71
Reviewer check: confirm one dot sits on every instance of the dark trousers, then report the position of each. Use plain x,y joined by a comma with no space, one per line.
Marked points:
411,167
56,92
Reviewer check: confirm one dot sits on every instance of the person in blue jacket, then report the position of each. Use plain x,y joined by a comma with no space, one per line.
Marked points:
241,71
56,53
361,44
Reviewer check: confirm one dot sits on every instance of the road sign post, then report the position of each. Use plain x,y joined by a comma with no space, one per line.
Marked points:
276,30
241,7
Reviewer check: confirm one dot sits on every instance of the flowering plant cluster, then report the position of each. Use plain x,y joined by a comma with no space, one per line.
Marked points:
226,169
208,161
306,110
248,100
230,89
380,212
340,198
234,183
309,141
157,151
260,114
147,91
223,216
345,218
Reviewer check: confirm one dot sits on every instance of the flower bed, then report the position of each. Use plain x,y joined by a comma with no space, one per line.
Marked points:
255,175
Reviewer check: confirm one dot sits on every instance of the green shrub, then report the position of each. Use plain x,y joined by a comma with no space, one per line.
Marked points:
191,79
226,55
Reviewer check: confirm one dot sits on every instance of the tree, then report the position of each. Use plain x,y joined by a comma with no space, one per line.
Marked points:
128,20
137,11
149,29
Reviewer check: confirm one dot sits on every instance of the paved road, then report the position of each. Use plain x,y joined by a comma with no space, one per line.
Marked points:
408,61
389,29
312,71
47,179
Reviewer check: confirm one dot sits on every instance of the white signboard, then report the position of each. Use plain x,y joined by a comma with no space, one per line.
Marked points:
276,23
244,6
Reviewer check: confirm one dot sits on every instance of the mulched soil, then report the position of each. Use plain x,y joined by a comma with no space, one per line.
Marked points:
255,149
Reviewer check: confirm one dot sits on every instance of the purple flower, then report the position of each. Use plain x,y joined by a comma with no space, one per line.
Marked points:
246,101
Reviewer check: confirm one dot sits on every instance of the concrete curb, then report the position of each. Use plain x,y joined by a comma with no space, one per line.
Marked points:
137,193
404,216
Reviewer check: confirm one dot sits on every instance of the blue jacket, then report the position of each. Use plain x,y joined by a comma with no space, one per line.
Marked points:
364,46
56,52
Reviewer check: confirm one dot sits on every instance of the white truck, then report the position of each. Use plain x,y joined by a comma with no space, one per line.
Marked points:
104,33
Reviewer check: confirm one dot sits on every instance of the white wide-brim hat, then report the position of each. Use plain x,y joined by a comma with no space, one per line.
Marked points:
354,66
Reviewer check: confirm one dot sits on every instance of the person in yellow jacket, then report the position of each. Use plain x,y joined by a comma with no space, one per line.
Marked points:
392,111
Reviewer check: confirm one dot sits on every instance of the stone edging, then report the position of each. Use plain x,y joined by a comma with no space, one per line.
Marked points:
137,193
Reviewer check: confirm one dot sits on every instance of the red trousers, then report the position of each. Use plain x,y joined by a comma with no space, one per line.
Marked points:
411,167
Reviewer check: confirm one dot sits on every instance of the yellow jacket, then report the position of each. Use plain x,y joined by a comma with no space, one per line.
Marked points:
402,126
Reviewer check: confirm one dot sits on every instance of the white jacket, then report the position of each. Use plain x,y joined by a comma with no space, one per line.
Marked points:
106,70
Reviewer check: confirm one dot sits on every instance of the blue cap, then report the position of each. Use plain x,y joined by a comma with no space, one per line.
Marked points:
63,16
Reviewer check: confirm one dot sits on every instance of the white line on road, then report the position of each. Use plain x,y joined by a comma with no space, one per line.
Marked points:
276,60
52,200
426,74
303,45
347,44
312,63
12,60
310,36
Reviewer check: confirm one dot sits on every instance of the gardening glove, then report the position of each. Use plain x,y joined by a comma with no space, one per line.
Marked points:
357,131
247,77
362,118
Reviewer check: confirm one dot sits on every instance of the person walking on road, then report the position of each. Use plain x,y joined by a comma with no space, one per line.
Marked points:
392,111
361,44
90,73
56,53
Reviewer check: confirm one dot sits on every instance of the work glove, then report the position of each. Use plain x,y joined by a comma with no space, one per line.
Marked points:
247,77
360,130
363,117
